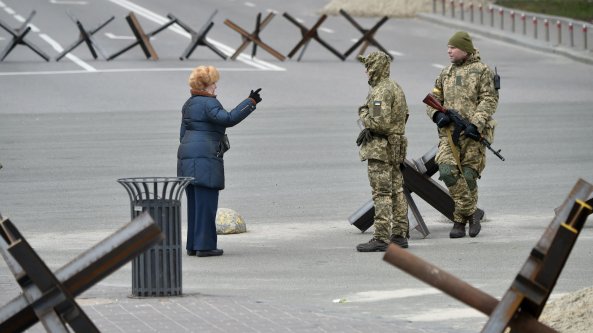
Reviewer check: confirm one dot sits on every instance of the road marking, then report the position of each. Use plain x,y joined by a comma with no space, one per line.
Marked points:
70,56
127,70
68,2
430,315
395,53
112,36
328,30
49,40
383,295
439,66
249,4
224,48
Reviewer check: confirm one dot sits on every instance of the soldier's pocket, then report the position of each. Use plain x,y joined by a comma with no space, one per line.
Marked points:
489,130
399,145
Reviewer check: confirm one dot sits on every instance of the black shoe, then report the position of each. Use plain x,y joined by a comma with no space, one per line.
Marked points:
400,241
474,222
209,253
191,252
458,230
474,228
374,245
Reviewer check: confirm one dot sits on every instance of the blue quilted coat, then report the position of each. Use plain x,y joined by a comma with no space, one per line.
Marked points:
203,125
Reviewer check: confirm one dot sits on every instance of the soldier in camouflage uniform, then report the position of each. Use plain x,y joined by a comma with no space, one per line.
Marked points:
467,86
383,144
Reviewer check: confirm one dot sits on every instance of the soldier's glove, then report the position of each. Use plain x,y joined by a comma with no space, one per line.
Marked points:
471,132
255,96
441,119
364,137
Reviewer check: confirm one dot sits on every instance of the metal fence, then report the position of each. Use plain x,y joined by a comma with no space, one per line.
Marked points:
554,30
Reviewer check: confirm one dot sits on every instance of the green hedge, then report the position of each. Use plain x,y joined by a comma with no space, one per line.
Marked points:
576,9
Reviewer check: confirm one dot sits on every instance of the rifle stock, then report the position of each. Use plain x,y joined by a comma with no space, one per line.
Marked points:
434,103
459,122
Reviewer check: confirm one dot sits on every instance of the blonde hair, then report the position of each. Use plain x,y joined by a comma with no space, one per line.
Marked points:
203,76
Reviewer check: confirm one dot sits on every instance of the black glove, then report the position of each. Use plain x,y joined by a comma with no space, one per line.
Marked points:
471,132
364,137
255,95
441,119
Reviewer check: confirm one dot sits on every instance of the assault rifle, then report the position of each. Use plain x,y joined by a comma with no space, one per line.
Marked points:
459,122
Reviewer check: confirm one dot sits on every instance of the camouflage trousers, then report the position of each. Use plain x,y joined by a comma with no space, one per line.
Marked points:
391,206
461,180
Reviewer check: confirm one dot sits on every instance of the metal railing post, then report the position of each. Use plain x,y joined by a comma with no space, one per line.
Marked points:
453,8
585,36
547,29
571,33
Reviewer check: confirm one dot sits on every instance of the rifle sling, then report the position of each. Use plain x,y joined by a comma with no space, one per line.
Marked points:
454,150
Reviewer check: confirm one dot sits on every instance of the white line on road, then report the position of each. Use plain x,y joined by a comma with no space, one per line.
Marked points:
439,66
70,56
226,49
383,295
68,2
49,40
127,70
395,53
112,36
249,4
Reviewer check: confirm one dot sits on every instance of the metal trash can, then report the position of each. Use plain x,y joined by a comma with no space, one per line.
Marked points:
157,271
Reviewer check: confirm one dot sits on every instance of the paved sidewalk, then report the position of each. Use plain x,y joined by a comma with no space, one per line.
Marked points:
111,311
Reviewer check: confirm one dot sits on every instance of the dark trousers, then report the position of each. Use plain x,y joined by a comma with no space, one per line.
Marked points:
202,203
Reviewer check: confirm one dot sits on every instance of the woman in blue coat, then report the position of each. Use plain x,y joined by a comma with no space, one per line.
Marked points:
200,155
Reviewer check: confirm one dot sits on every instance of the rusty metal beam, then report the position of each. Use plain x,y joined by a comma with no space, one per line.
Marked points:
456,288
76,276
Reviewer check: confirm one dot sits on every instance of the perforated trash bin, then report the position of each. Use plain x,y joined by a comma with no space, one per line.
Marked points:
157,271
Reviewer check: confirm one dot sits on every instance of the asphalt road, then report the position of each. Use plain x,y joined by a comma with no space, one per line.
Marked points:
70,129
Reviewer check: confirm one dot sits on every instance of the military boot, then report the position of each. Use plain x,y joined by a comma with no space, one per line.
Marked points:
374,245
400,241
458,230
474,222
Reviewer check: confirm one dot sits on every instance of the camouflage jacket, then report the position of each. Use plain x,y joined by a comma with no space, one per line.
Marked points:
468,88
384,114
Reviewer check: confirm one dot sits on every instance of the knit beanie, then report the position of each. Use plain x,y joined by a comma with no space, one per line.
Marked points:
462,41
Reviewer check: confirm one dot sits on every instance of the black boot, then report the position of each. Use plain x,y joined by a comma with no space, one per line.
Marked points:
374,245
458,230
400,241
474,222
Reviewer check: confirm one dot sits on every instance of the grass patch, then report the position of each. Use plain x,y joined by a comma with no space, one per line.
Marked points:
577,9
